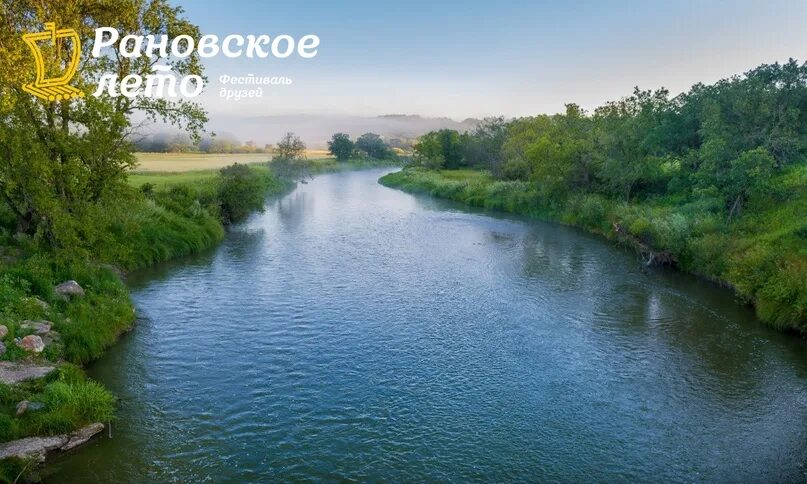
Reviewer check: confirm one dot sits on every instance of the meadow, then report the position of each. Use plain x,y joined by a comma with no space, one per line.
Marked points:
184,162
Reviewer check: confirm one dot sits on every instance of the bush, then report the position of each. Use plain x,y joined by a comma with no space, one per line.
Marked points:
240,191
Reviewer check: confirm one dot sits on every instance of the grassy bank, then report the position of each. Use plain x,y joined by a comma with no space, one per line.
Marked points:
195,176
762,254
152,223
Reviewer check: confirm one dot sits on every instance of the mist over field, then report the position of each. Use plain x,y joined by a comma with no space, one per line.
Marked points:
315,130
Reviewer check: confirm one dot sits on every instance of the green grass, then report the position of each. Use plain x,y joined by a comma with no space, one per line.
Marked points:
162,179
87,325
159,179
68,401
466,175
762,255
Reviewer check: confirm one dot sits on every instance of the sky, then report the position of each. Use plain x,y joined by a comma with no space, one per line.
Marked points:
474,58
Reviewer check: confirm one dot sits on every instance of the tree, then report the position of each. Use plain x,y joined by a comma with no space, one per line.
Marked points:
483,147
289,161
440,149
239,193
290,147
58,157
341,146
373,146
628,134
748,174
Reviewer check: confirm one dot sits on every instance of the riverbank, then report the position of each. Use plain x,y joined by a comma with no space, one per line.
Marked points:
165,216
55,332
762,255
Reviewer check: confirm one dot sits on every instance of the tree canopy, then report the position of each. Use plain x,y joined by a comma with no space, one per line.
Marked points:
726,139
373,146
341,146
57,157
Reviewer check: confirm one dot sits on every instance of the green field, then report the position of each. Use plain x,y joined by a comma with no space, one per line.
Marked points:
165,179
182,162
193,174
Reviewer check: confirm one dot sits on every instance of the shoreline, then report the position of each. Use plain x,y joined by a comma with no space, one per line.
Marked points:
476,191
104,285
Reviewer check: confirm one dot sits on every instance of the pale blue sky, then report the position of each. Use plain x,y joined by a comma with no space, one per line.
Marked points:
473,58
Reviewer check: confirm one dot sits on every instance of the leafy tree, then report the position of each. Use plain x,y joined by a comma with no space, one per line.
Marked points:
56,158
341,146
442,148
373,146
747,175
239,193
290,147
289,161
626,133
484,146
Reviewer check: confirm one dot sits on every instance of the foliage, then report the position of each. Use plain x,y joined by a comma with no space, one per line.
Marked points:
184,143
341,146
289,148
69,400
59,158
713,179
240,191
440,149
370,144
727,140
484,147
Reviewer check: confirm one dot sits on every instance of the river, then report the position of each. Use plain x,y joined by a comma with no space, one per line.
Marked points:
356,332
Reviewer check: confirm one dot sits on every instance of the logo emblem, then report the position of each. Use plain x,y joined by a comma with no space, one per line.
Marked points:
53,88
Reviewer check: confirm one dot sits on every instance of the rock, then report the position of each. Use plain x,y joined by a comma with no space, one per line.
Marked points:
15,372
2,348
69,288
22,407
82,435
3,331
37,448
33,343
25,406
51,337
38,327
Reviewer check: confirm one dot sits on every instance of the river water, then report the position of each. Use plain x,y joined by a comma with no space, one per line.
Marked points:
355,332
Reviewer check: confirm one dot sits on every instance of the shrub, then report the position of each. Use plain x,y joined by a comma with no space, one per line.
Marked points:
240,191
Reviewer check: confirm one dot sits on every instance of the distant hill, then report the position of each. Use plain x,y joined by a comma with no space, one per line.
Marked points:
315,130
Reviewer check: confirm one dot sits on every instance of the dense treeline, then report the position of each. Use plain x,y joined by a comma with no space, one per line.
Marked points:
183,143
368,145
713,180
724,140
